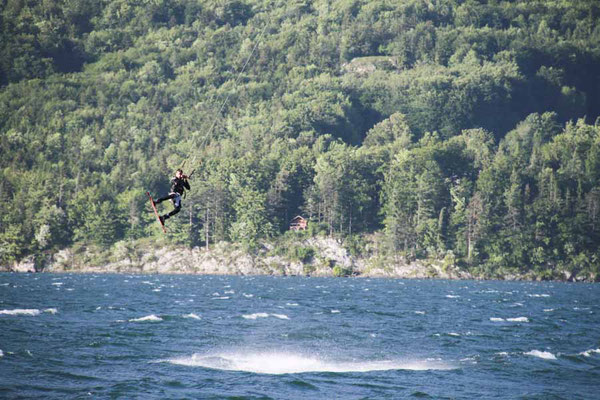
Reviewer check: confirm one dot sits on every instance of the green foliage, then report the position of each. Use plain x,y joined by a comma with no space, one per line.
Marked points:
339,271
451,126
303,254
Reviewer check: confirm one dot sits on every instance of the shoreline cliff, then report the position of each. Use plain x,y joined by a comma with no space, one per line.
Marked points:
318,256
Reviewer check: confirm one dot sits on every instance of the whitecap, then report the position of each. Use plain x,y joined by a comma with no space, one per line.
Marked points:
255,315
248,296
221,298
588,353
21,311
452,296
518,319
277,363
264,315
539,295
546,355
420,312
1,353
548,309
335,311
292,304
51,310
57,284
152,318
453,334
192,316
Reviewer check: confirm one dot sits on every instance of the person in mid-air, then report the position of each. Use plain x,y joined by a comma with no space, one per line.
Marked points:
178,185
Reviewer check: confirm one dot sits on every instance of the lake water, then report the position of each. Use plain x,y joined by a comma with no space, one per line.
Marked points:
214,337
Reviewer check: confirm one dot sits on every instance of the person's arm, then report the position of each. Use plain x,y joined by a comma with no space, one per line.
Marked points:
186,184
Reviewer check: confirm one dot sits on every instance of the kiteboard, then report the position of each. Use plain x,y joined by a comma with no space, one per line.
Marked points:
156,213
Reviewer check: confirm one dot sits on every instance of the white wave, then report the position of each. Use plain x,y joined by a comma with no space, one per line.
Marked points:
51,310
546,355
517,319
151,317
453,334
1,354
539,295
192,316
335,311
452,296
4,284
420,312
588,353
264,315
292,304
57,284
248,295
290,363
548,309
21,311
256,315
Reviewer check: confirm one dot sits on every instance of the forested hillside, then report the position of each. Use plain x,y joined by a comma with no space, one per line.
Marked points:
465,130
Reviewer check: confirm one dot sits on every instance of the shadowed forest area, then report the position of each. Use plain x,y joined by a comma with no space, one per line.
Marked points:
460,130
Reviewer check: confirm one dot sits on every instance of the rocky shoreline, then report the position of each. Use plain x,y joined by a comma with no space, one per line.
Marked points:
330,259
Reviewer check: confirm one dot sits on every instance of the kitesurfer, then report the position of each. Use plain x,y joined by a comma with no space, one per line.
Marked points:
178,185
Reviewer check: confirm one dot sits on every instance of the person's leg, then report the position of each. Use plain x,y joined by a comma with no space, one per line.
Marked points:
176,204
167,197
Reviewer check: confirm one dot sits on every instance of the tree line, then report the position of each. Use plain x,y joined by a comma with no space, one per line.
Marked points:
459,129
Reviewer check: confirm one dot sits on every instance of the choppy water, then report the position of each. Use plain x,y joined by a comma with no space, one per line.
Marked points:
118,336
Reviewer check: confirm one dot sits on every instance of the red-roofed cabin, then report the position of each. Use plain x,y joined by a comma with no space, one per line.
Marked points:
298,224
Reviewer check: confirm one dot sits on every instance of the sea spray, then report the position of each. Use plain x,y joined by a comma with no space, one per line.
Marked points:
276,363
